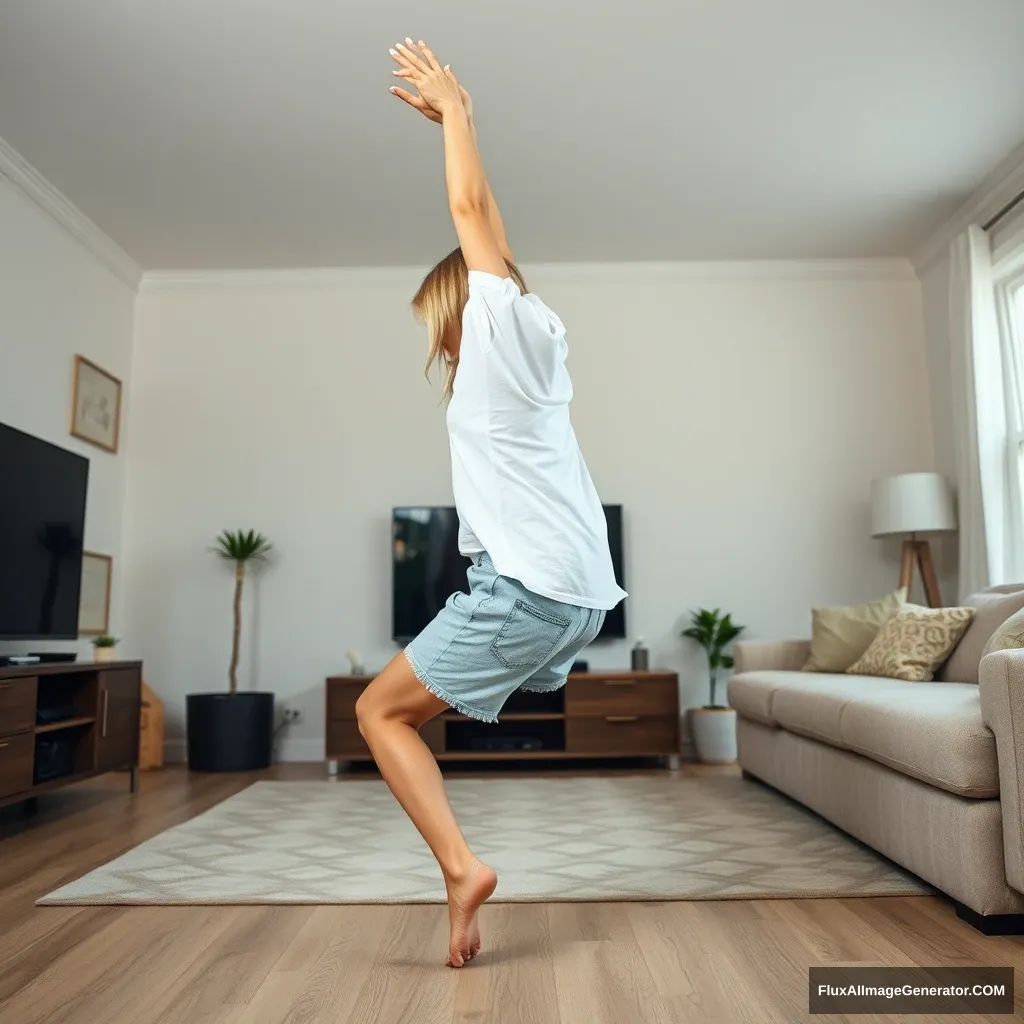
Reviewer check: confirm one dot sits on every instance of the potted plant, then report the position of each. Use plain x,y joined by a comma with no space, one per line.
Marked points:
103,647
232,732
714,725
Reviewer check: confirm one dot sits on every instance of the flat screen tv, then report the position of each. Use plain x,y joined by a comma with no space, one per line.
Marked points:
427,568
42,526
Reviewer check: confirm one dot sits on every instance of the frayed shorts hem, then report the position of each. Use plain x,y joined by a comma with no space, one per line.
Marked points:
543,689
452,702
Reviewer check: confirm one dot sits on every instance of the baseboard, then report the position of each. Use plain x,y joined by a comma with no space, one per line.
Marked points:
286,751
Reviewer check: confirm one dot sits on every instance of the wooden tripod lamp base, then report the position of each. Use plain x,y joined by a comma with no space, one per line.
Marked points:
914,503
919,551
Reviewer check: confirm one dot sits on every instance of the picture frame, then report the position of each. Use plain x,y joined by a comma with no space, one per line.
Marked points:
94,598
96,405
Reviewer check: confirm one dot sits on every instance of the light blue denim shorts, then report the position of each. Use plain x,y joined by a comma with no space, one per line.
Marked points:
500,637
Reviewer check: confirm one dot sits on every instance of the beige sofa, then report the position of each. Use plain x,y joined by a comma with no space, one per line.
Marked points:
929,774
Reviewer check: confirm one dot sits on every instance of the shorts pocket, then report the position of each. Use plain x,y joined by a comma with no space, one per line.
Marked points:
528,636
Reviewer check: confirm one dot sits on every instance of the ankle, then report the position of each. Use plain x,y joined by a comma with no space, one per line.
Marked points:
457,869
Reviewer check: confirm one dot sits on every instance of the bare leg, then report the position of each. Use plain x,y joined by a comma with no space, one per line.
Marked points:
390,711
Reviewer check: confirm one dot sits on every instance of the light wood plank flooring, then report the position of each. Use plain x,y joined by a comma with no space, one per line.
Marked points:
657,963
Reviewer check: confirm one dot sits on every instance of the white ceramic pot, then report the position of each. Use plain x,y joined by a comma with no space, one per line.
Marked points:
714,734
104,653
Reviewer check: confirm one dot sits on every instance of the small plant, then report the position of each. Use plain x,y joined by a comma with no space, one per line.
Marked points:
714,632
240,547
105,641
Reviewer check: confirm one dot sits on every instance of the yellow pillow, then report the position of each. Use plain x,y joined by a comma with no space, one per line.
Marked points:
914,643
839,636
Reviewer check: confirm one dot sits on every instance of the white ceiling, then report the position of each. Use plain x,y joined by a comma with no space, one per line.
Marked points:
260,133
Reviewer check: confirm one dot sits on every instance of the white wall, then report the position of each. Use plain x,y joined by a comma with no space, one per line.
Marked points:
738,412
56,300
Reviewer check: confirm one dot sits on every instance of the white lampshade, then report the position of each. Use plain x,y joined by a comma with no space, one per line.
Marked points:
912,503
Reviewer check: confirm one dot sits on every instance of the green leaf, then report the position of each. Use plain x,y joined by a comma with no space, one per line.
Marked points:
242,546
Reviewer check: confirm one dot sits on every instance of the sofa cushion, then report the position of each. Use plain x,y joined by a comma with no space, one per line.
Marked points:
750,693
914,643
991,611
929,731
1007,637
817,711
839,636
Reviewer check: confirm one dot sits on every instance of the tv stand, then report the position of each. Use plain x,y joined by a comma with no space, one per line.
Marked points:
595,716
67,721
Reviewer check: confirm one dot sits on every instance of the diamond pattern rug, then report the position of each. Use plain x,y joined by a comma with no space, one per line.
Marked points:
553,840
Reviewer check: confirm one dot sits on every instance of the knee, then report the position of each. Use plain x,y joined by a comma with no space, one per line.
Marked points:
367,713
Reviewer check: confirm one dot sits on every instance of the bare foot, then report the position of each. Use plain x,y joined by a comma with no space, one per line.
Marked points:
466,894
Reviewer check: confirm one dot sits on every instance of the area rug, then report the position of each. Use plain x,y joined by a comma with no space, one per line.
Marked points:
551,840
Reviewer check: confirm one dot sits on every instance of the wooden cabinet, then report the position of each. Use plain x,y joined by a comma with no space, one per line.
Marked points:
17,705
595,716
117,736
16,763
64,722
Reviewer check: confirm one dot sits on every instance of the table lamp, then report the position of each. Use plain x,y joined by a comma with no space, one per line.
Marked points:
914,503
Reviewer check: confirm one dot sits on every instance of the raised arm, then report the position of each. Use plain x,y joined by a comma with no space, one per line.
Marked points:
474,212
493,213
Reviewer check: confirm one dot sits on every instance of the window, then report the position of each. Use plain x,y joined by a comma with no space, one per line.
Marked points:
1010,307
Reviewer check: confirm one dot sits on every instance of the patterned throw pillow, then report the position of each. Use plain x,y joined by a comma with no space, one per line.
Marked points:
913,643
1009,636
839,636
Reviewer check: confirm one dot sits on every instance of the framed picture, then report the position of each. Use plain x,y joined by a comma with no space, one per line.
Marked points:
96,406
94,603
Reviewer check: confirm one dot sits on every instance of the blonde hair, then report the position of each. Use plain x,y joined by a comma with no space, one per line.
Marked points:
439,303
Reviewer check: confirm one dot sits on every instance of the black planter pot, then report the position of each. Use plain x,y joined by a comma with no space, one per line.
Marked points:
229,732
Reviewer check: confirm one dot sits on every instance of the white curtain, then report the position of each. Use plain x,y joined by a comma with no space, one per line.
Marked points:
979,416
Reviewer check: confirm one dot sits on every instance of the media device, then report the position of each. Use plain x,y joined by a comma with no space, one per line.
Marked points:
427,568
42,524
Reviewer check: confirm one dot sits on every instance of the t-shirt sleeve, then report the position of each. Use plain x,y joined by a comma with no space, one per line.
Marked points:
500,312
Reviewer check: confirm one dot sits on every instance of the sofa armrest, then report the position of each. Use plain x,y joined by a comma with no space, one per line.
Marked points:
770,655
1002,709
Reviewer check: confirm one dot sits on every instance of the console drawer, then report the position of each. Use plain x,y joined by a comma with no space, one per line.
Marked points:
622,734
16,755
17,704
622,695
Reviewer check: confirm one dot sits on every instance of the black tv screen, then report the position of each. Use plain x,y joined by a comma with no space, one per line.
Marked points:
427,568
42,526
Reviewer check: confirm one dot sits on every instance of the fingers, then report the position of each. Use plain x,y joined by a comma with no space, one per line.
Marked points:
417,103
408,57
403,60
431,59
414,101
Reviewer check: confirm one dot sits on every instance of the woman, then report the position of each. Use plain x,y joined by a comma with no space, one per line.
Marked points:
529,517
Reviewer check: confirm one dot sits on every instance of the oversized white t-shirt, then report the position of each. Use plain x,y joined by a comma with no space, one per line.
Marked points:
522,489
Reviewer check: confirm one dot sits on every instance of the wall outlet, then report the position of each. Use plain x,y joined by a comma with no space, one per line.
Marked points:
291,715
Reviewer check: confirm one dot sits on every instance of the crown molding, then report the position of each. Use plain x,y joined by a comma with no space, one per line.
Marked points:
735,270
999,188
20,173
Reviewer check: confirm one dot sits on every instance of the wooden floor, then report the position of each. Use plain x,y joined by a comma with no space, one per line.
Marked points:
655,963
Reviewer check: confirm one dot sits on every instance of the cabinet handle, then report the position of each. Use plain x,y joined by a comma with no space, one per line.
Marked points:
619,682
3,746
106,704
622,718
5,686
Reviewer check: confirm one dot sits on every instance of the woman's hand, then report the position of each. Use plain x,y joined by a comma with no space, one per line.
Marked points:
439,91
